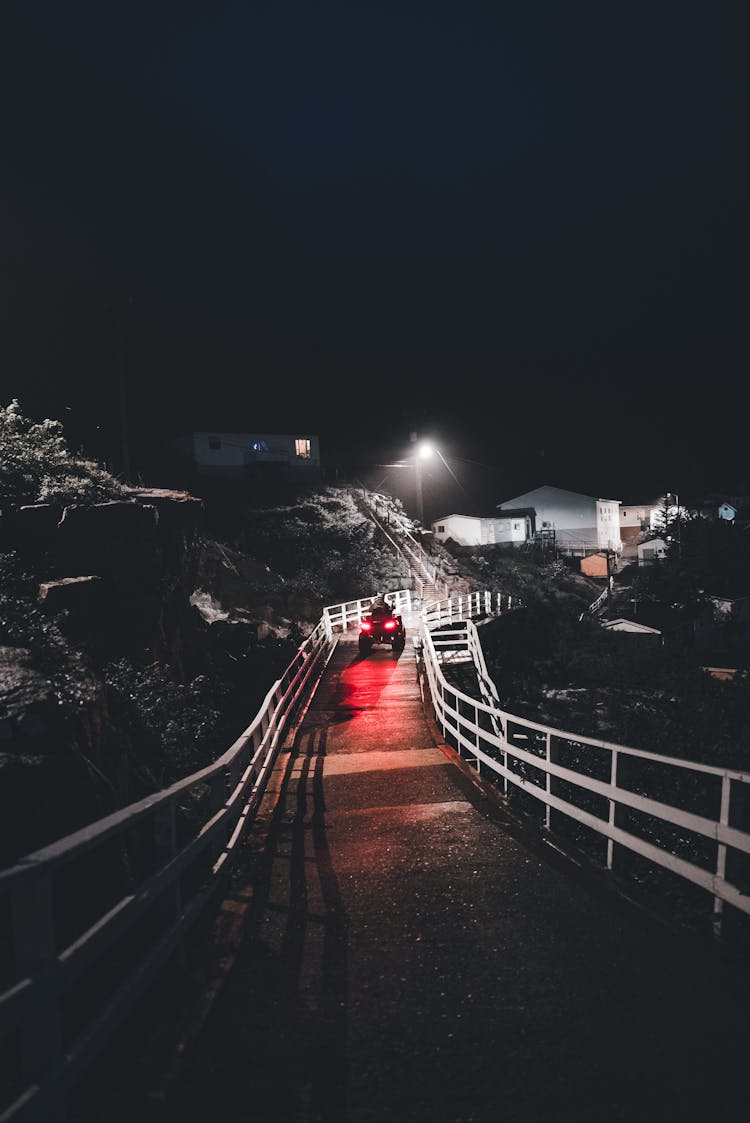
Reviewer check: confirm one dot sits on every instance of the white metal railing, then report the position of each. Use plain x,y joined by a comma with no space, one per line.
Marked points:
55,953
557,767
467,605
340,616
595,605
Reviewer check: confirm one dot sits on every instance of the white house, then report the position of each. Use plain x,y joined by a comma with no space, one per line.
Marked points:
478,530
637,518
655,549
580,524
235,452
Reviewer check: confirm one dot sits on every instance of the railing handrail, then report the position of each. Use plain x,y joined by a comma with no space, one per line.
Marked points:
480,743
595,605
31,1005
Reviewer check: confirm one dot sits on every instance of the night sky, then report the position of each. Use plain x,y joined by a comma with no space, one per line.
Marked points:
521,229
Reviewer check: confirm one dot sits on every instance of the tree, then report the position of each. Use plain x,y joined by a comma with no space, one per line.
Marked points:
37,467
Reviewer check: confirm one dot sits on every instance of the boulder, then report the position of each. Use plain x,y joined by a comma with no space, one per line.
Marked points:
77,595
117,540
33,528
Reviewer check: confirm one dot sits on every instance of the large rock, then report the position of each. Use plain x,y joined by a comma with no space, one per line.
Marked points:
115,539
72,594
32,529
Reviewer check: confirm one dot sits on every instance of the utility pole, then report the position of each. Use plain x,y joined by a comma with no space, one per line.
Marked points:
418,479
610,580
124,428
124,435
420,498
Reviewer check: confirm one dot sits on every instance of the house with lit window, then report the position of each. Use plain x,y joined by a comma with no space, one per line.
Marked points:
638,518
577,524
236,453
479,530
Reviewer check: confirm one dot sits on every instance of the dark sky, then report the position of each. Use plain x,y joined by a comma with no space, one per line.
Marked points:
524,228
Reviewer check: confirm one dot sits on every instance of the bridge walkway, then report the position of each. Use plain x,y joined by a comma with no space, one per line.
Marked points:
411,956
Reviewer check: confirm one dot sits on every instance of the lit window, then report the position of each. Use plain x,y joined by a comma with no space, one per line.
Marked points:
214,442
259,446
302,448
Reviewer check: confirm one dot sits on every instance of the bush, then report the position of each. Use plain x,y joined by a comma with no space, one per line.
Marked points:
36,466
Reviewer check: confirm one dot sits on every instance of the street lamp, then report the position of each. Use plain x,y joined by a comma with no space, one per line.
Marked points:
678,519
422,452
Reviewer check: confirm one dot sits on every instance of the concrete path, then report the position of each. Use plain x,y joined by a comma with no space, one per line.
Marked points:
410,956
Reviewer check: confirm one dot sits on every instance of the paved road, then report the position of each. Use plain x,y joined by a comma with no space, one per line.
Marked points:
410,956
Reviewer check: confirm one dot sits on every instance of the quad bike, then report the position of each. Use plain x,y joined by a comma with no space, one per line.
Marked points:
382,626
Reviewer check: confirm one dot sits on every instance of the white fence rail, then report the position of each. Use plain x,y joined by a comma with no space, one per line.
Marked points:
162,870
599,784
340,616
466,606
159,874
595,606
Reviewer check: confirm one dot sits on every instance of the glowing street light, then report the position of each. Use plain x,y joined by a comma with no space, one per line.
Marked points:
424,451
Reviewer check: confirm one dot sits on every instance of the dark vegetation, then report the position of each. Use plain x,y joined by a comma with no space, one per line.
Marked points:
554,668
270,558
124,712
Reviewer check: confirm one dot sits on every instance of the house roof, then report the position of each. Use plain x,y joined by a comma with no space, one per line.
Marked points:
621,624
650,543
561,491
515,512
456,515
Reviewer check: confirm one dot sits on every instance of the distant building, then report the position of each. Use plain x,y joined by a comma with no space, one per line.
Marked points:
512,529
579,524
654,550
621,624
595,565
636,519
236,453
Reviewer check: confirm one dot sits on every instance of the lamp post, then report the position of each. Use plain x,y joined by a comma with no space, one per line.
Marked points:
423,451
678,519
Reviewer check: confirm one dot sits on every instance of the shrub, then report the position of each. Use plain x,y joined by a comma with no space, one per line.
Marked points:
37,467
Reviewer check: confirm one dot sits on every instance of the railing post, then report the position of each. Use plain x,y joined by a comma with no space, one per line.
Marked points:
217,797
551,754
721,854
41,1046
164,826
612,810
477,739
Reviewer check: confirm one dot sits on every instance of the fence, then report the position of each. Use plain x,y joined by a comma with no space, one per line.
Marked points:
67,988
595,606
596,783
340,616
80,961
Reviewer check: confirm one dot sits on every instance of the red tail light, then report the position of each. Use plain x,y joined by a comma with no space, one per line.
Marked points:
390,625
366,626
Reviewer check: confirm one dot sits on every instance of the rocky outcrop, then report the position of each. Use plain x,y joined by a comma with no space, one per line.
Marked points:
115,580
119,572
78,595
51,755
